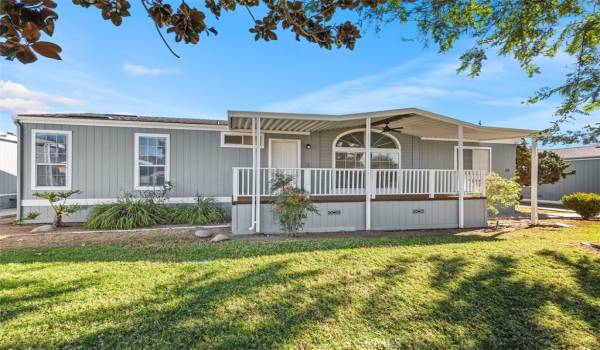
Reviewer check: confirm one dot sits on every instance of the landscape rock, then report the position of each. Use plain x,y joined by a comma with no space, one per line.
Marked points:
43,228
201,233
220,237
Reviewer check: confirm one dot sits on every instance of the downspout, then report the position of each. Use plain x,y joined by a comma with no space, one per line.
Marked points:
253,186
258,177
368,180
461,178
19,167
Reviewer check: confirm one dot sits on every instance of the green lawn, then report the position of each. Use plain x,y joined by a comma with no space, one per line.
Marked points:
526,289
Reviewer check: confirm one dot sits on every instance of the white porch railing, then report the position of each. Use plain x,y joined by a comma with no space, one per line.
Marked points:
335,182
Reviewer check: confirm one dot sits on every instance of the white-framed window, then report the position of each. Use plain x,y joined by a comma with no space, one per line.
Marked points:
349,150
474,158
51,159
151,160
239,139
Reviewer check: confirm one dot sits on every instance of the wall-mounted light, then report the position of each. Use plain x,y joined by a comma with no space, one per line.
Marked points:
308,146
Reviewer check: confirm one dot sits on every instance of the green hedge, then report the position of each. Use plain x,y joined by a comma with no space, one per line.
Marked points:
585,204
203,212
130,213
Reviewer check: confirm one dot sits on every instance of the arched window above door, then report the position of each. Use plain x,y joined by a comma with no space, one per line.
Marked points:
349,150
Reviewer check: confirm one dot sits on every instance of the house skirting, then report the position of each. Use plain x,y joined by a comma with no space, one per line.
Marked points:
8,201
387,213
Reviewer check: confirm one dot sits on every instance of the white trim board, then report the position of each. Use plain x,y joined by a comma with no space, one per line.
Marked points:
33,169
97,201
501,141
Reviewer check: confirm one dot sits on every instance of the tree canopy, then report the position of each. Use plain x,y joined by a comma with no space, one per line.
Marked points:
551,167
524,30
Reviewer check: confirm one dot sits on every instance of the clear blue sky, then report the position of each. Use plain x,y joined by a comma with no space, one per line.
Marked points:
128,70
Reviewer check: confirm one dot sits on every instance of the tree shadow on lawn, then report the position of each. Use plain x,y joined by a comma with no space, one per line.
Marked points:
180,250
586,269
37,295
489,310
205,311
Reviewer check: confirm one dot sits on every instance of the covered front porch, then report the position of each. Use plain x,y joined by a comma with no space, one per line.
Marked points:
366,170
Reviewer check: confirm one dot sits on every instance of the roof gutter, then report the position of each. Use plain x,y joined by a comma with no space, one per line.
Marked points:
19,167
120,123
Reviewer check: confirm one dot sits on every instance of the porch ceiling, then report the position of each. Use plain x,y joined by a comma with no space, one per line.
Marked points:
415,122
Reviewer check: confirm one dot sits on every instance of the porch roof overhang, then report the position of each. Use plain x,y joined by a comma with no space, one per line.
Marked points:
415,122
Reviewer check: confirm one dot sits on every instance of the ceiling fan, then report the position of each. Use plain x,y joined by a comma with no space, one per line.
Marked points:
387,128
387,121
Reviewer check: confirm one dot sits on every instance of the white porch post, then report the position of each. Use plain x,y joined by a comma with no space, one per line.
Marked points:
461,179
258,177
253,184
534,181
368,182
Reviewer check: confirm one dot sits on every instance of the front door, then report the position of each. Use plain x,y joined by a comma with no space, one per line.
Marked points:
284,154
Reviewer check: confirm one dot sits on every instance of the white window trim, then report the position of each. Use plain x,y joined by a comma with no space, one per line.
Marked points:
233,133
472,147
136,171
34,186
335,149
297,141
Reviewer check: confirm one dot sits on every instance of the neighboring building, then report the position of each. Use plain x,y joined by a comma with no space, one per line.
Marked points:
586,163
413,181
8,170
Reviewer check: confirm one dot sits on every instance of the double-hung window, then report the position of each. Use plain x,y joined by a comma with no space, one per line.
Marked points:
151,161
51,160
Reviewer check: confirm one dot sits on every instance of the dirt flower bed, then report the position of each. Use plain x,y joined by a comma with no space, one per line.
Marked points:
20,236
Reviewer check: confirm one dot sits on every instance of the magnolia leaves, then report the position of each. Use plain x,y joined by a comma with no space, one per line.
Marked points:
187,24
113,10
21,26
22,22
311,21
47,49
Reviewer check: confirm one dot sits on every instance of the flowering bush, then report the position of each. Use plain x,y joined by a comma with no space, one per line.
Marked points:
292,204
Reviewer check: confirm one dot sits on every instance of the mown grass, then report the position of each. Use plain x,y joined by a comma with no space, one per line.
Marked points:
529,289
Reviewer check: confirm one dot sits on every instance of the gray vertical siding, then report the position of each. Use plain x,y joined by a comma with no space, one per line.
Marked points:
103,161
585,179
8,183
8,166
103,158
415,153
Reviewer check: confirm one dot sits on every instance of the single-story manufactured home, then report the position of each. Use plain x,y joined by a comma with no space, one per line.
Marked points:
585,161
386,170
8,170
